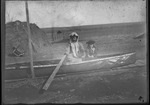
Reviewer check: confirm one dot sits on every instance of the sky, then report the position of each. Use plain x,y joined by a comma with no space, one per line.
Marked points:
76,13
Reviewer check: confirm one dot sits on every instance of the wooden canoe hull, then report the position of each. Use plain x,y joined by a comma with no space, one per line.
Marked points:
47,69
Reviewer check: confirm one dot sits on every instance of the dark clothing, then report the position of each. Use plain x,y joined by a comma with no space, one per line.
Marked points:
91,51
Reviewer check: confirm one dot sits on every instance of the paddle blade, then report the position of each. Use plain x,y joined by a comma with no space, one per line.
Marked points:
50,79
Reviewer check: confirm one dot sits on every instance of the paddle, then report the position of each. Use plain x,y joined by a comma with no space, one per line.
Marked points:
50,79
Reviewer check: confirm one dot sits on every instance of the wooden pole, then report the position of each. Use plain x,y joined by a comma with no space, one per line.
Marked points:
29,38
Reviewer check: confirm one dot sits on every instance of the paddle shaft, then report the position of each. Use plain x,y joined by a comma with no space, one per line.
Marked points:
50,79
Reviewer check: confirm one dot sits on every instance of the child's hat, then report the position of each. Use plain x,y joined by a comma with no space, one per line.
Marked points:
90,42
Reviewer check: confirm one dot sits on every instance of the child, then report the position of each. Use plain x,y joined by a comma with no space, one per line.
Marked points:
91,49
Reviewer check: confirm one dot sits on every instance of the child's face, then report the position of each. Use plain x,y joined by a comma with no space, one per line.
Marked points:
92,45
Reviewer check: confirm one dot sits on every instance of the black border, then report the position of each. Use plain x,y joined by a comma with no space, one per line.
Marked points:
2,47
3,44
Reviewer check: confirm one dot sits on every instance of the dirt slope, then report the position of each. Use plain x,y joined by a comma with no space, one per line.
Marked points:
17,36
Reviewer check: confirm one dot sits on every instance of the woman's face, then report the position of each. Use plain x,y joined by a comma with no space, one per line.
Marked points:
74,38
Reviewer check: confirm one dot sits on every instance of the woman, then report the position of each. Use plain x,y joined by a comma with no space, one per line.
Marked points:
75,51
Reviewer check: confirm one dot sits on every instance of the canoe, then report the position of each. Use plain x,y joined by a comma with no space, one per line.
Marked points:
45,68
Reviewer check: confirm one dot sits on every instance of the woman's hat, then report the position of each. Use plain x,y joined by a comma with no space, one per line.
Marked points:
74,34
